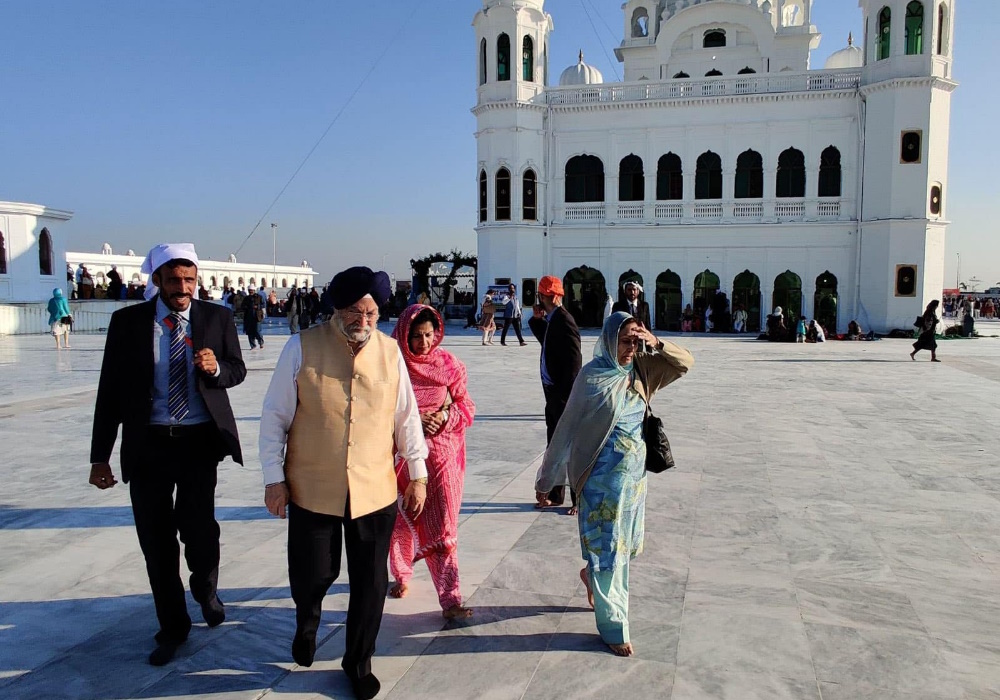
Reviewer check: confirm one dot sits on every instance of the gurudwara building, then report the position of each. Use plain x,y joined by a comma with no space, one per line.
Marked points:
722,162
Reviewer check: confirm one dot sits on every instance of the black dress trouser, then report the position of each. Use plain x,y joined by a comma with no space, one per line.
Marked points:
189,465
555,404
314,545
507,323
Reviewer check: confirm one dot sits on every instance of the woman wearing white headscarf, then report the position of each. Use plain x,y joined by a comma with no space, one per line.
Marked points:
598,445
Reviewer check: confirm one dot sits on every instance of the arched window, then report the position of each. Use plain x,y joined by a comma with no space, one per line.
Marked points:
482,62
503,195
528,60
746,71
937,202
914,28
682,74
669,177
631,182
284,281
482,196
708,176
212,281
829,173
3,255
45,261
584,179
909,149
714,39
713,73
884,33
503,57
791,178
529,196
253,282
942,33
749,176
640,23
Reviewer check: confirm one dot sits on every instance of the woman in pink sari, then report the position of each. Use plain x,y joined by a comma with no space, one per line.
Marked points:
439,382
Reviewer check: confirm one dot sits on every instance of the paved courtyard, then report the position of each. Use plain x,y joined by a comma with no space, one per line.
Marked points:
831,531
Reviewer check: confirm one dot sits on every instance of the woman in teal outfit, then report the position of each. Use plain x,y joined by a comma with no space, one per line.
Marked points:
598,448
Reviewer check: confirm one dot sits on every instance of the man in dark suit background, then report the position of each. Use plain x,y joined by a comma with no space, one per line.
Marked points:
554,327
167,365
633,305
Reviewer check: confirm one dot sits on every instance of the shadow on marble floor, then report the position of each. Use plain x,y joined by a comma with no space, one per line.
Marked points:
486,507
525,417
811,360
14,518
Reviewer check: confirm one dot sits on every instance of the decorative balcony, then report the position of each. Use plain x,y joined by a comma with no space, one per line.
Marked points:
692,88
708,211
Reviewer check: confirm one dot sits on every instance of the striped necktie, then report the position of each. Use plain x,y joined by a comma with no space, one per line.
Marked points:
177,393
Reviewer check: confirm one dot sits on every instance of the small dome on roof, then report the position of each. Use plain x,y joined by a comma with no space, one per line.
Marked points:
581,74
849,57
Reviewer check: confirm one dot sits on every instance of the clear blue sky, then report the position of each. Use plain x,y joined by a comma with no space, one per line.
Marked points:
182,120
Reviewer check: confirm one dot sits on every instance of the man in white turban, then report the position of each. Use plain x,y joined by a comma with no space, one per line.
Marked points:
167,365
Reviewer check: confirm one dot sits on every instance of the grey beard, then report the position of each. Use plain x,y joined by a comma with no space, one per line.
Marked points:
361,336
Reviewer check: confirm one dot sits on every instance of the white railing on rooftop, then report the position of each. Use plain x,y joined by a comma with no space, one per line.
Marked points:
708,210
725,211
689,88
585,212
633,212
668,212
790,210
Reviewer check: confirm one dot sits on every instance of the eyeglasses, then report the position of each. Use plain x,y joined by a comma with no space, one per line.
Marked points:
366,315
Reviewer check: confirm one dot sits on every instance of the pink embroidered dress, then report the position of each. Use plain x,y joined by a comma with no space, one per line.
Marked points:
439,381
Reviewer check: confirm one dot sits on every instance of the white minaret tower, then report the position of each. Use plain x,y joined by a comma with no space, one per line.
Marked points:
906,91
512,39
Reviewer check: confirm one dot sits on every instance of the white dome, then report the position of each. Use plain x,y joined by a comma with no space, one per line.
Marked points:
581,74
849,57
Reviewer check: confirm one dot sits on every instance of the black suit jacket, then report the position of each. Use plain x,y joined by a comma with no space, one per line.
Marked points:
125,392
560,340
642,311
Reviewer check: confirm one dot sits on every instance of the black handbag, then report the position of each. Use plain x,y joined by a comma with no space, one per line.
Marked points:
659,457
68,320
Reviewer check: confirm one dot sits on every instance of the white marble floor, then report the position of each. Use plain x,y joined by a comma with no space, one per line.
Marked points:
832,531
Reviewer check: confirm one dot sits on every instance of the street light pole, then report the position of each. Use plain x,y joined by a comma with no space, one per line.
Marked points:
274,255
958,272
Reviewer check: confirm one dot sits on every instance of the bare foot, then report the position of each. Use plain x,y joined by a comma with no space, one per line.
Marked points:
457,612
586,582
399,590
543,504
573,510
622,649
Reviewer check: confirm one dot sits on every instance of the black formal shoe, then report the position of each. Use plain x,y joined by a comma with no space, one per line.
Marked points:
303,650
523,343
365,688
213,611
503,343
163,654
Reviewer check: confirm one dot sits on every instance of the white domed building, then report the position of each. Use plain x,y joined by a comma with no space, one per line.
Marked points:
722,162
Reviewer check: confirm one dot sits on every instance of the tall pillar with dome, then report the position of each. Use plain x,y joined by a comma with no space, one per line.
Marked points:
906,88
512,39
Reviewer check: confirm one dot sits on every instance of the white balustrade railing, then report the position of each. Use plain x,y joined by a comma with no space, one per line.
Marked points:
789,210
687,88
828,210
668,212
33,317
711,210
748,210
631,212
584,212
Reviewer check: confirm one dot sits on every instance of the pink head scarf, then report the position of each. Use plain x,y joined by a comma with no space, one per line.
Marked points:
430,374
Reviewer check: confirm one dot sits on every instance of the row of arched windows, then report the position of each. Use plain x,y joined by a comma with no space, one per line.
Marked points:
585,177
913,26
715,73
502,183
504,59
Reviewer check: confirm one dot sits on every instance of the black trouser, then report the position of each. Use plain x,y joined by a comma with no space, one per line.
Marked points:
555,404
507,323
253,333
314,542
187,463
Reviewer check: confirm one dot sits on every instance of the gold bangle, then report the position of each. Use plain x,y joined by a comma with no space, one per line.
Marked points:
420,480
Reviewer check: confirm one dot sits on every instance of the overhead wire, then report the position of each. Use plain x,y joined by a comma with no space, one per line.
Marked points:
329,126
607,55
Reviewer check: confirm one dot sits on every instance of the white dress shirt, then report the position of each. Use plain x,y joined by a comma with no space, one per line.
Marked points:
279,410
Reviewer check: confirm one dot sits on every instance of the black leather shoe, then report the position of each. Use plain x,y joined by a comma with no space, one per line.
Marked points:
365,688
213,611
303,650
163,654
